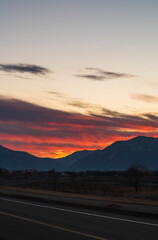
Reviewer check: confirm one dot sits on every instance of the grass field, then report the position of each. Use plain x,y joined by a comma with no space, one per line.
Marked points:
95,185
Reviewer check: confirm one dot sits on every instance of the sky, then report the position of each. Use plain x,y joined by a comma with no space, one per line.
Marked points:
77,75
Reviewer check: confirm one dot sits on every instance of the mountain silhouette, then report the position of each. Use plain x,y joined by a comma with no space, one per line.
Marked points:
17,160
118,156
121,155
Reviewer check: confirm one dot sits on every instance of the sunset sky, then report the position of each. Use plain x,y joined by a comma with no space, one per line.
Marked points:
77,74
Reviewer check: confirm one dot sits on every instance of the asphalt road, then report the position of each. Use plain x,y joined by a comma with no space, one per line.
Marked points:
21,219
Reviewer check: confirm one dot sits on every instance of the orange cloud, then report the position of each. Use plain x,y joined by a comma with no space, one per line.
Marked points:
52,133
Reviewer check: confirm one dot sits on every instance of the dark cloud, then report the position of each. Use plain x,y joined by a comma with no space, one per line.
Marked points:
14,110
92,77
97,74
24,68
17,110
144,97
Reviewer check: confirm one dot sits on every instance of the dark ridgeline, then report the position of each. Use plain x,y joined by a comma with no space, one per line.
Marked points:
118,156
17,160
121,155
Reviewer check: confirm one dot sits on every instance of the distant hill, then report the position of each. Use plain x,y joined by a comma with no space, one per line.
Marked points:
118,156
121,155
16,160
74,157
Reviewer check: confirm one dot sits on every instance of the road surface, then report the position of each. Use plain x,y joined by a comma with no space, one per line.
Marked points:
20,220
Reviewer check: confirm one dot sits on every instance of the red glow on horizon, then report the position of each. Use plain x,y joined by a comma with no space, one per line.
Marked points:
46,132
51,151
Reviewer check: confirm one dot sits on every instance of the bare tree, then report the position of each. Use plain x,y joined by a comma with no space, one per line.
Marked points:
135,173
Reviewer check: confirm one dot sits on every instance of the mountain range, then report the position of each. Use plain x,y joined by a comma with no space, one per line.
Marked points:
118,156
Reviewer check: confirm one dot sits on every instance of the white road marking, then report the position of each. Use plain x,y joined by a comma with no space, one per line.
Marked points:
82,213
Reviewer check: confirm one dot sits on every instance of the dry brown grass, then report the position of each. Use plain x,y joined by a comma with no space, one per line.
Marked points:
146,195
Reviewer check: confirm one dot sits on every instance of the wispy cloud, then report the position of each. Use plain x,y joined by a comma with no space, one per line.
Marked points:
57,94
80,104
98,74
24,68
77,103
144,97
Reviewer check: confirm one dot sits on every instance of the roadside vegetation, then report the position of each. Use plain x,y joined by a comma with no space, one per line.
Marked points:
137,182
